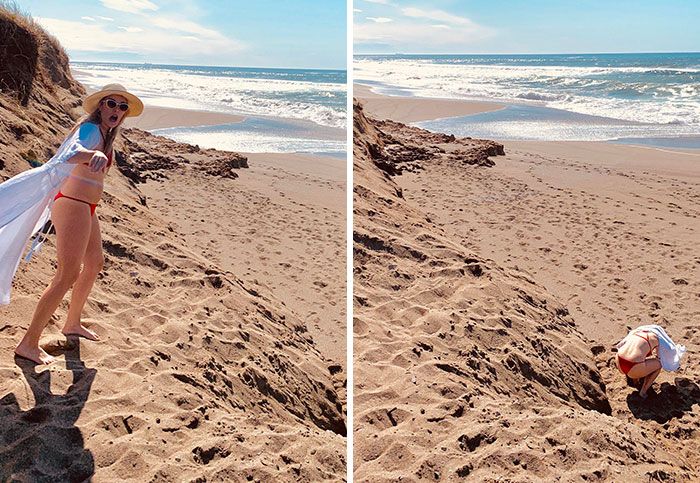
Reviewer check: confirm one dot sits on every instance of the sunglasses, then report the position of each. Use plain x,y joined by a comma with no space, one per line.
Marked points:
111,103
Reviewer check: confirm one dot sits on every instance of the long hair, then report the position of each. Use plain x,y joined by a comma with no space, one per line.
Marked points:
96,118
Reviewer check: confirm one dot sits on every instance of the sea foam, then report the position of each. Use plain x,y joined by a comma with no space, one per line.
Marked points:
648,88
296,94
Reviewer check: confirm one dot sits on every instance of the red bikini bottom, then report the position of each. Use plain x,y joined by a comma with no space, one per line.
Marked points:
92,206
625,365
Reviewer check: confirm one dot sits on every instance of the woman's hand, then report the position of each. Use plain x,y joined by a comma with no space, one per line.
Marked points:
98,162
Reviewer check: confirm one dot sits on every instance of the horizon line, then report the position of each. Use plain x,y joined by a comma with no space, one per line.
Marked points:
204,65
531,53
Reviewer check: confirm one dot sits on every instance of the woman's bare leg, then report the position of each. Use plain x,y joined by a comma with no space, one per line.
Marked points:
92,265
648,381
649,370
72,221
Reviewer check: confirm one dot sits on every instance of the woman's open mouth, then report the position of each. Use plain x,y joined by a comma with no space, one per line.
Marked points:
113,118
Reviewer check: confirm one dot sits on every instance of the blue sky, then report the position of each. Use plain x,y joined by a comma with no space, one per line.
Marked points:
534,26
253,33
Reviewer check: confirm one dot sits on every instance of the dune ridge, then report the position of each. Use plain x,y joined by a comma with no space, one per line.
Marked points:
609,229
201,376
465,369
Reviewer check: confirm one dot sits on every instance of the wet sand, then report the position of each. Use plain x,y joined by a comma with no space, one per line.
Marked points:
154,117
414,109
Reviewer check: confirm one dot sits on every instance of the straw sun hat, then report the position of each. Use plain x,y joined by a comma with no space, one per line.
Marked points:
92,101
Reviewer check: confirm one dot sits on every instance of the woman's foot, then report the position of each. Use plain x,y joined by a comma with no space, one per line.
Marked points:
34,354
80,331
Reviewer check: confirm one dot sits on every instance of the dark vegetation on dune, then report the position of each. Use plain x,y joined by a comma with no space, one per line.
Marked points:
198,370
38,96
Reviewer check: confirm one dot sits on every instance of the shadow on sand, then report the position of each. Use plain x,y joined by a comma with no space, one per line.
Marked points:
671,401
43,443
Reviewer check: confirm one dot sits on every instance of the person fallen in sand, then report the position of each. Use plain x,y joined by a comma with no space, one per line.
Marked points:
75,179
644,352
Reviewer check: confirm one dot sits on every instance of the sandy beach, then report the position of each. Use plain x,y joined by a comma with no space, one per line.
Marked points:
208,368
199,352
602,236
158,117
279,225
414,109
155,117
305,266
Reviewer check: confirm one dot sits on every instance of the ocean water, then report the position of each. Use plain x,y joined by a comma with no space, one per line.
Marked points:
263,135
553,97
311,102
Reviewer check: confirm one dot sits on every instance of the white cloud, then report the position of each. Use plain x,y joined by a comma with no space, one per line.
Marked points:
155,42
438,16
357,10
186,26
420,30
380,19
419,37
131,6
108,19
90,19
131,29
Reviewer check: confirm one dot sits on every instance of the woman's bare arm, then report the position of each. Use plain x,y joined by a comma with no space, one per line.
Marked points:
95,159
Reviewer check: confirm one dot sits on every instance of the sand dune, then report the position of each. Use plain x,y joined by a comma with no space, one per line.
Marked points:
200,375
469,366
204,373
612,232
279,225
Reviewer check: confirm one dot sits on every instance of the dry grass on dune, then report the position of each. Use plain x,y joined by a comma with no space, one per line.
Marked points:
28,51
39,100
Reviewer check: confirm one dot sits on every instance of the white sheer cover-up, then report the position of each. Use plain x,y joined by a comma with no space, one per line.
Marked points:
670,353
26,201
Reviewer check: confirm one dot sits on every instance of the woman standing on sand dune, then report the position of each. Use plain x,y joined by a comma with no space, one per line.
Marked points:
644,352
67,190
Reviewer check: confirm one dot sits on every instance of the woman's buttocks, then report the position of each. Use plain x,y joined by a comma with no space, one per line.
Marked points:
637,348
84,184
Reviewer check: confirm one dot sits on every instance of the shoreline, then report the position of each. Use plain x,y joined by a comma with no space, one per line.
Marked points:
416,109
156,117
258,134
602,167
410,110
